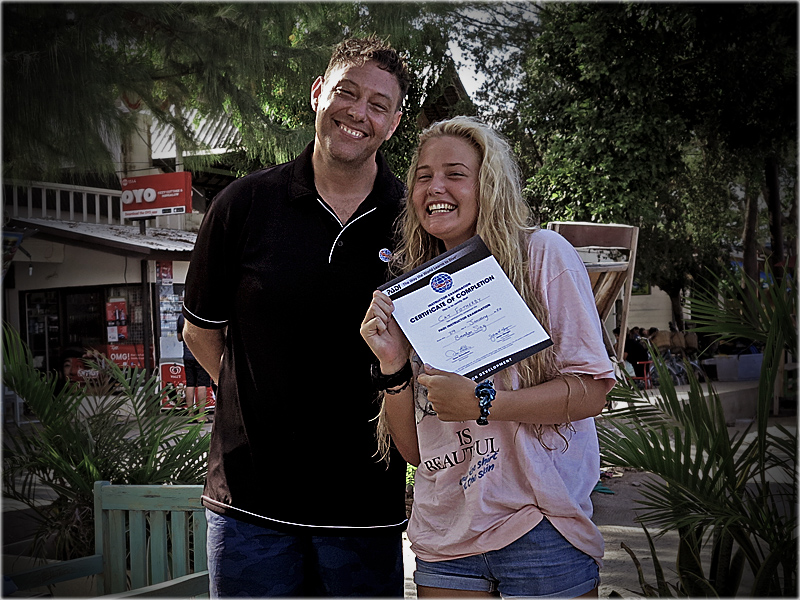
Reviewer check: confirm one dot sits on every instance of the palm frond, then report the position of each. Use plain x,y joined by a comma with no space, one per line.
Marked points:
111,429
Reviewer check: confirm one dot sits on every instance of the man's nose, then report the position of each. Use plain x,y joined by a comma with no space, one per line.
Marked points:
358,109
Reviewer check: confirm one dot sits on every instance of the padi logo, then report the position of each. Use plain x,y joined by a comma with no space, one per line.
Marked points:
441,282
385,255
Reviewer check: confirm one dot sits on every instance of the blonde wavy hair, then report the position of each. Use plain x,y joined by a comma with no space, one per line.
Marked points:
505,222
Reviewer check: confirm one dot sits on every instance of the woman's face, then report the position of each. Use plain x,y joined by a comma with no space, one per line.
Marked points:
445,196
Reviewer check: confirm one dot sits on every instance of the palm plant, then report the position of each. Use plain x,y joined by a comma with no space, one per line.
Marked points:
732,495
112,429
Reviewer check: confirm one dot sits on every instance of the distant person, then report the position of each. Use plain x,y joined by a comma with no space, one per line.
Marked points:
197,378
634,354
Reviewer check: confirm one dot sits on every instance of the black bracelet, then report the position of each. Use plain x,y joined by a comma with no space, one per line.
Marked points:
485,393
394,391
383,382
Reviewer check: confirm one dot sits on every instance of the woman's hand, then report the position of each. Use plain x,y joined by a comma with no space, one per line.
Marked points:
452,396
383,335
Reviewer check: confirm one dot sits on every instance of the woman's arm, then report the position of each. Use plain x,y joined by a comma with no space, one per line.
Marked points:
402,425
390,346
561,400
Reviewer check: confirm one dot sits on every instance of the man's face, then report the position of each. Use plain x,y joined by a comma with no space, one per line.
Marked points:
356,111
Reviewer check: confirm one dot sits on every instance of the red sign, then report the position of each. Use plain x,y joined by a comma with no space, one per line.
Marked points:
172,374
126,355
164,271
116,320
77,371
156,195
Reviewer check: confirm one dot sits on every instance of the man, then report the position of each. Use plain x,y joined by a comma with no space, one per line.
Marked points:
284,267
197,379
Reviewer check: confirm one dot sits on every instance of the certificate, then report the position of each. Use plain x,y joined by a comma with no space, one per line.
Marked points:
462,314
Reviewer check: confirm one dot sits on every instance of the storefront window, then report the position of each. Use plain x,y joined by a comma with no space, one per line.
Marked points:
41,311
61,323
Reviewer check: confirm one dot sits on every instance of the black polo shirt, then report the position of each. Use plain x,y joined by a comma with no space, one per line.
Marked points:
293,442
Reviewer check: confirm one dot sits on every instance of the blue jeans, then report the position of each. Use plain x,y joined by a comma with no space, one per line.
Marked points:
540,564
252,561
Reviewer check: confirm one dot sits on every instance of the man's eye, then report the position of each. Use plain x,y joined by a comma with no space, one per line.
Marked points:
343,91
380,107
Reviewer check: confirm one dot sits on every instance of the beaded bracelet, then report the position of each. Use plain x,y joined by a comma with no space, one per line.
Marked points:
485,393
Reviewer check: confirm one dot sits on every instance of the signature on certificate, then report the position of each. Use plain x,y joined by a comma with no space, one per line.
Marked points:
502,334
460,354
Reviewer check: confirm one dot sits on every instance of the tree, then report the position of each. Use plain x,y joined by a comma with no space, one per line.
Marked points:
72,72
633,113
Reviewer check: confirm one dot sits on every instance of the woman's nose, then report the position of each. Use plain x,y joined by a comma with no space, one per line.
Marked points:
437,185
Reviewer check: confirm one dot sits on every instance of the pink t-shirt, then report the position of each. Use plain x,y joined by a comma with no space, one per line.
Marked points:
479,488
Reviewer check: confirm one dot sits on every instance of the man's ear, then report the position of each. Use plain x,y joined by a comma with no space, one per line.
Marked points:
316,91
396,122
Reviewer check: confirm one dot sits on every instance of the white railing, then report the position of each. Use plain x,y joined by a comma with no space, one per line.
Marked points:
35,199
64,202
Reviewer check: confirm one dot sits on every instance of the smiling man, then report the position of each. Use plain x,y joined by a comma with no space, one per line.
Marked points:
296,500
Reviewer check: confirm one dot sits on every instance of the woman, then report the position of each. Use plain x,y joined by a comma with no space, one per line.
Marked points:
502,508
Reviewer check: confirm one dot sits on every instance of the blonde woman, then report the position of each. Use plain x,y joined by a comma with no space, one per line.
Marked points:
502,508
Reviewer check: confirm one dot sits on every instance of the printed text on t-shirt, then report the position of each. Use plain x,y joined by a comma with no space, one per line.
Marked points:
482,449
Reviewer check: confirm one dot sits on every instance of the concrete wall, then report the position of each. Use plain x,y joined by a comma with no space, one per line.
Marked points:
652,310
60,266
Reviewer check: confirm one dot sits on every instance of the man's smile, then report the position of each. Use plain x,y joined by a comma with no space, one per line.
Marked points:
351,132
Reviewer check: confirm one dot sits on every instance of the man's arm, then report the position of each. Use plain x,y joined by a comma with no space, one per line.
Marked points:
207,345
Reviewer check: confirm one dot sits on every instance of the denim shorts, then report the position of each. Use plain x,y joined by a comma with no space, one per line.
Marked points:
258,562
540,564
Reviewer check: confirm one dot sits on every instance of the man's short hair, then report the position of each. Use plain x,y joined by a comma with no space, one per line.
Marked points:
357,51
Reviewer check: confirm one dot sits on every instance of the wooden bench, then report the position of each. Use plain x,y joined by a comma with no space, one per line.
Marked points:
150,540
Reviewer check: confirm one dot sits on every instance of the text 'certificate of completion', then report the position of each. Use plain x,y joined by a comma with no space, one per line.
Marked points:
462,314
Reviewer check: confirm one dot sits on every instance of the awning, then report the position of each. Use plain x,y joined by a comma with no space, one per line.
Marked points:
122,240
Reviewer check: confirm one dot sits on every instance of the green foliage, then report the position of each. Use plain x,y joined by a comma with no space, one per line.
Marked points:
410,473
112,429
645,114
67,68
734,495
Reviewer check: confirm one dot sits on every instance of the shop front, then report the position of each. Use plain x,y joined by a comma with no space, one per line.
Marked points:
98,289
